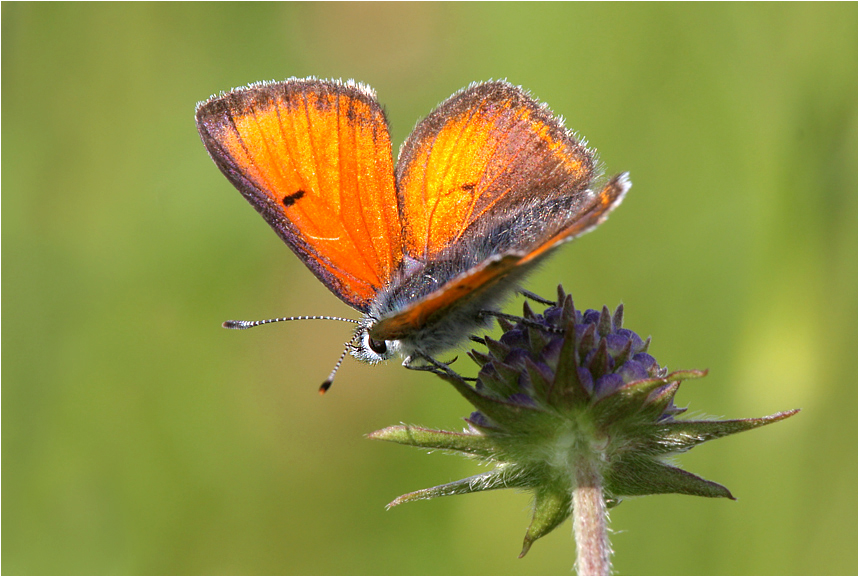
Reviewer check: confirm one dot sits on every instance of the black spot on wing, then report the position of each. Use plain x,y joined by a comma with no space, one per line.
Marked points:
291,199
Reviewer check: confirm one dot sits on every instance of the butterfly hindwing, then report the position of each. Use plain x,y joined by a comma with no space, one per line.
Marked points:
490,156
481,279
591,215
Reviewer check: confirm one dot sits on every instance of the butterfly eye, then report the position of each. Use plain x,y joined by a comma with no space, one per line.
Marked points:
378,347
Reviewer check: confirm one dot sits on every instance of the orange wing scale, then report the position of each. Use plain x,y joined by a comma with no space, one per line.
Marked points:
317,165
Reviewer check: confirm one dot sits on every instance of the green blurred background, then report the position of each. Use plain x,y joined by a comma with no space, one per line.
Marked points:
140,437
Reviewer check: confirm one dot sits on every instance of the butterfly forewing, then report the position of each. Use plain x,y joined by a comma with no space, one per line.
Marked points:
314,158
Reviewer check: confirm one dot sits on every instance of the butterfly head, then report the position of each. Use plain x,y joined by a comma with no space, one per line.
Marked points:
370,350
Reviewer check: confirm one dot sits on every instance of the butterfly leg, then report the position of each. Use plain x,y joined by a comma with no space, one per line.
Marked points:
429,364
536,298
528,322
419,361
562,295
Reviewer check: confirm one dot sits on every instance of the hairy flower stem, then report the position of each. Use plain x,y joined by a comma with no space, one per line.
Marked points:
593,551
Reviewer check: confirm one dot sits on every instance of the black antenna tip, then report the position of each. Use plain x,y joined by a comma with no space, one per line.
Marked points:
237,324
325,386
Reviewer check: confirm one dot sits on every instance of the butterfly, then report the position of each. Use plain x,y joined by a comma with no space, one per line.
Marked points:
484,188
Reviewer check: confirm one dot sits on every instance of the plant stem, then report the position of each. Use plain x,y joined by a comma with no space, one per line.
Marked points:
593,551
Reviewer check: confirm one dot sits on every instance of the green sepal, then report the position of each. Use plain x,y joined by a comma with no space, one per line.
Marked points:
599,364
678,436
497,349
502,477
537,339
617,318
516,417
658,401
433,439
504,324
588,341
625,354
604,327
478,357
551,508
640,475
527,311
627,402
508,383
567,390
540,385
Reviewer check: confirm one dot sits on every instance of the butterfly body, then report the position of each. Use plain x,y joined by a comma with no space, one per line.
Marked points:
438,329
483,190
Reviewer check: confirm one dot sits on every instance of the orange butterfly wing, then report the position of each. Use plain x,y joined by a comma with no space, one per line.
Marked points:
314,158
487,152
493,180
475,282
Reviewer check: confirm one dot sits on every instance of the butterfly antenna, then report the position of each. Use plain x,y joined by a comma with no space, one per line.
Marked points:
323,388
242,325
